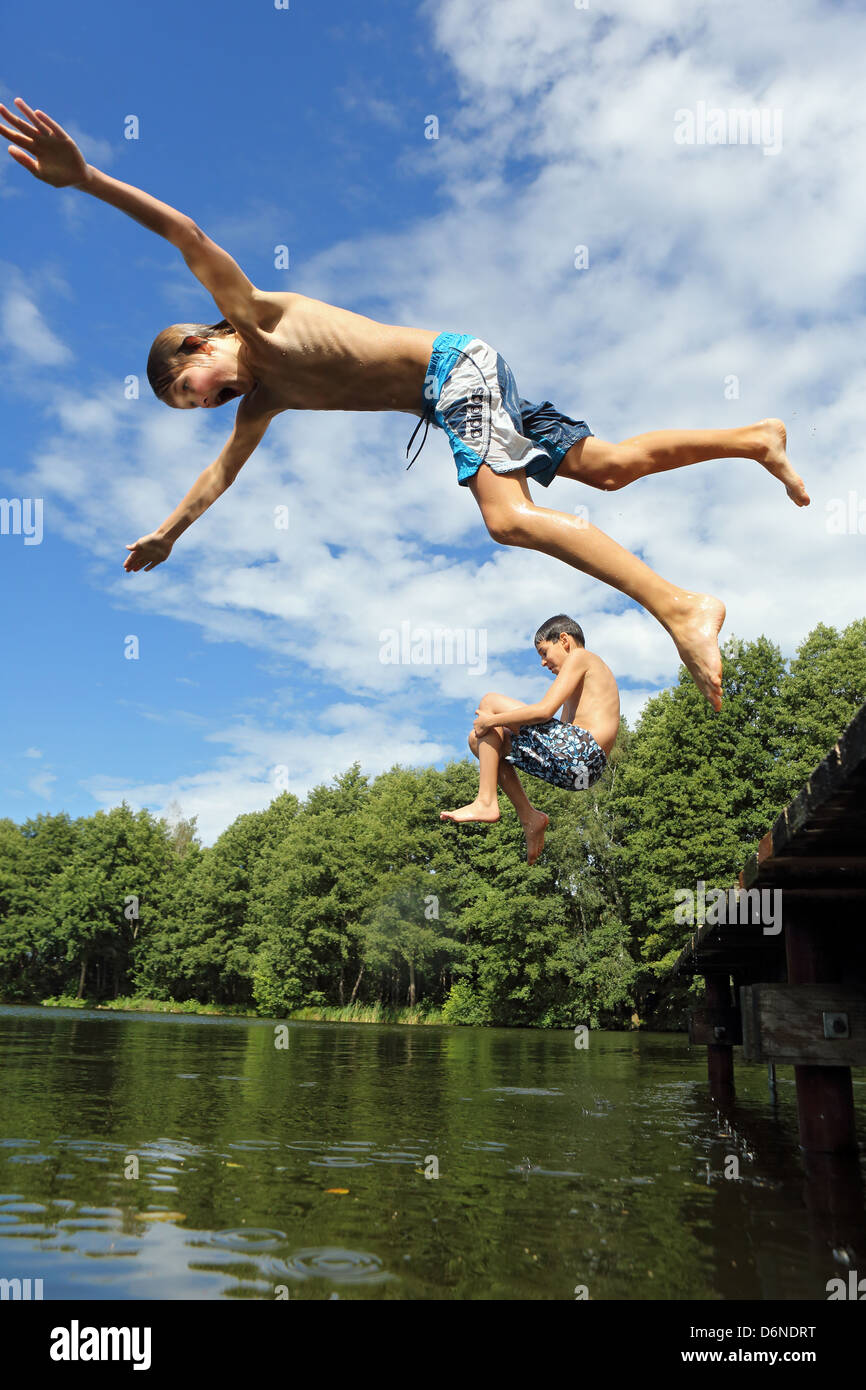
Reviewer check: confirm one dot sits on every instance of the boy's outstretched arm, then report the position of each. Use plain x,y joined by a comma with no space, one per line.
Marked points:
44,148
561,689
150,551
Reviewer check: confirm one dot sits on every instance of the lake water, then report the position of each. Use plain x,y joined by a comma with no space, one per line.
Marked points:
302,1171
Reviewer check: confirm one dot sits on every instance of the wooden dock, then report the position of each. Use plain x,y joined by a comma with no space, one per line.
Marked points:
785,964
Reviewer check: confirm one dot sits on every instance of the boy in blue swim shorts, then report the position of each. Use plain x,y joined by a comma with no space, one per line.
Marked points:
273,351
569,752
471,394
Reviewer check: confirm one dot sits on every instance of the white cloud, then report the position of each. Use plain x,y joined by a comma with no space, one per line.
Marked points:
41,783
25,332
261,762
357,97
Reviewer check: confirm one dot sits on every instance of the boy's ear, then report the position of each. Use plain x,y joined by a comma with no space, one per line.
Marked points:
192,343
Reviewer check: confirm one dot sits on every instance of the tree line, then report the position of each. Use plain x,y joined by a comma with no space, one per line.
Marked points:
360,894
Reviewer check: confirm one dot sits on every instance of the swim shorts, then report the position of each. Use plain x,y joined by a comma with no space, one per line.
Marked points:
562,754
471,394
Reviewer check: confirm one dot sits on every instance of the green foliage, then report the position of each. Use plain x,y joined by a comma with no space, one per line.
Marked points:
463,1005
365,1013
694,793
361,904
819,695
136,1004
205,945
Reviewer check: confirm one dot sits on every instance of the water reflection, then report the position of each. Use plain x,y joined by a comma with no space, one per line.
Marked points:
178,1158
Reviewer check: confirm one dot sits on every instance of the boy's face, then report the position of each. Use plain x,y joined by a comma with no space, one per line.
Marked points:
212,378
554,653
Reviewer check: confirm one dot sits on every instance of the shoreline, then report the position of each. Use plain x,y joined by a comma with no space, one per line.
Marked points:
355,1013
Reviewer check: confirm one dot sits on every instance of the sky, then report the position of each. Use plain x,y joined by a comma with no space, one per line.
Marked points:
586,200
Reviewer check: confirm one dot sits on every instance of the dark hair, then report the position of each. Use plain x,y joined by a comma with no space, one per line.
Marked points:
168,352
551,630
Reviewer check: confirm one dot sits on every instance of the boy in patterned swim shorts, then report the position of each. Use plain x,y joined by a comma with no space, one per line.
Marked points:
570,752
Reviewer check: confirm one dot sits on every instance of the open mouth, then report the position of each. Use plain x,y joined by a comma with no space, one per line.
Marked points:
225,394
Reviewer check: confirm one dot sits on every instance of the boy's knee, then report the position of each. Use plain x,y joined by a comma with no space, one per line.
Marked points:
507,525
624,465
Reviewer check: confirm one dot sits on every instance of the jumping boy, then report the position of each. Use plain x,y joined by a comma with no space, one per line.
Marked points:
570,752
281,351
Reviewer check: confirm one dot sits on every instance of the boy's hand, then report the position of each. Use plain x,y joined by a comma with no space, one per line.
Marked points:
147,553
43,147
483,722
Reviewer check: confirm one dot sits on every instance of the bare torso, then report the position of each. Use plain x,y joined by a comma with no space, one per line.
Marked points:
595,703
309,355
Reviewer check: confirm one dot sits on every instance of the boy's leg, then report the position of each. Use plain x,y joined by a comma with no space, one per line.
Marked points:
534,822
692,619
611,466
485,807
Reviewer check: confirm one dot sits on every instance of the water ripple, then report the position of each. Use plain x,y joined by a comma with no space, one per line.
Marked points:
523,1091
254,1145
249,1240
340,1161
338,1265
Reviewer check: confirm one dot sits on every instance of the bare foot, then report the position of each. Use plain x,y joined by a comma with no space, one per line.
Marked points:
774,440
533,831
695,630
477,810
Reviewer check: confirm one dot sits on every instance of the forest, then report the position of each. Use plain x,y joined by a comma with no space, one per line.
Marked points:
360,896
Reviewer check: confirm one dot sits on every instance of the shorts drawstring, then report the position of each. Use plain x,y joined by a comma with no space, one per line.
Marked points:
425,421
430,409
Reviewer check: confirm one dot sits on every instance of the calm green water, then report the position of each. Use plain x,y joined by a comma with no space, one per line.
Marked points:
557,1167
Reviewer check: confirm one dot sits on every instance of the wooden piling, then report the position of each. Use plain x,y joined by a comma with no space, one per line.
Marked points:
720,1052
825,1096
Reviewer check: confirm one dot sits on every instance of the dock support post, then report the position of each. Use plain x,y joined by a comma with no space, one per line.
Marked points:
720,1056
825,1096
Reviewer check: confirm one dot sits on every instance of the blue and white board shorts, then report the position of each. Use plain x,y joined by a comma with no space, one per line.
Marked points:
563,754
471,394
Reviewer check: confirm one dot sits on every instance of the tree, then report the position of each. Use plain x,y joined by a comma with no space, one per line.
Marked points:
819,695
206,945
105,895
309,910
403,927
696,793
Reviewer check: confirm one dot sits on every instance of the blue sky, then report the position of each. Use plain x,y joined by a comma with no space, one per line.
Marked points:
259,649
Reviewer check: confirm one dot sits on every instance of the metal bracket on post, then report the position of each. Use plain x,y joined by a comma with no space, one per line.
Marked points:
836,1025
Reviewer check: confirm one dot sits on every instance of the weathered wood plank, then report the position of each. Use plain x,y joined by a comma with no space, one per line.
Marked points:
785,1024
